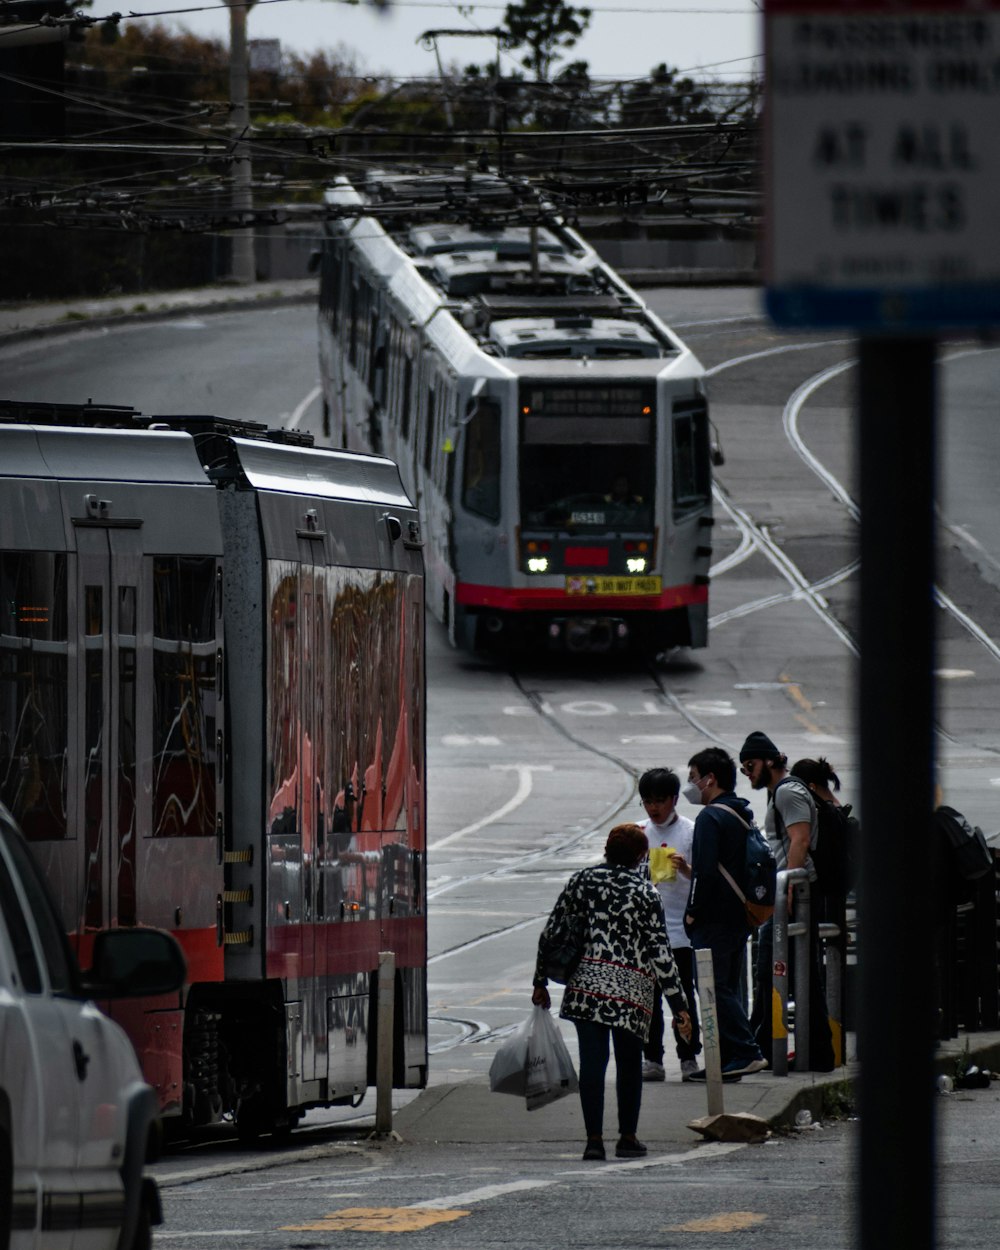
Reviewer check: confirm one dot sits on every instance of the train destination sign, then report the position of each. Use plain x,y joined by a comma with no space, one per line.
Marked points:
882,163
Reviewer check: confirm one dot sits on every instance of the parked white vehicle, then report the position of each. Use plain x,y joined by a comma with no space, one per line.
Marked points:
75,1114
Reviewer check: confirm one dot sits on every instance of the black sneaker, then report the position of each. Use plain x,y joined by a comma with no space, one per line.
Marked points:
594,1149
630,1148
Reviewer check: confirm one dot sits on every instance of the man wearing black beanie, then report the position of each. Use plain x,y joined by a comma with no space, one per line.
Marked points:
791,828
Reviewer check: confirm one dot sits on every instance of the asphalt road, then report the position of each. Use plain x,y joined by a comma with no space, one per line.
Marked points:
529,766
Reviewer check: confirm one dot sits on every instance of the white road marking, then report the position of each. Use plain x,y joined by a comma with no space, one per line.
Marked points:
649,708
589,707
524,772
484,1194
711,708
469,740
668,740
221,1232
790,420
300,410
712,1150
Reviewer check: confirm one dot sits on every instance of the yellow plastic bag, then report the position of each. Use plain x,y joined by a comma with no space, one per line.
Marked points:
661,866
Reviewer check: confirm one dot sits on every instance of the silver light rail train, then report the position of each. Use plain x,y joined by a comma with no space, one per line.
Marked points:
212,721
552,430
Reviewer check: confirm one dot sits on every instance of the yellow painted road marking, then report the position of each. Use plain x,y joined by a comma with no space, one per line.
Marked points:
377,1220
726,1222
804,715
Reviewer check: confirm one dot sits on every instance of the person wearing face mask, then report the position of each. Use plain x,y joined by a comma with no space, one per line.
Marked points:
715,918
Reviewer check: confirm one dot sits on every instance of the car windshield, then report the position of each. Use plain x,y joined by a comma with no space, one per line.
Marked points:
587,459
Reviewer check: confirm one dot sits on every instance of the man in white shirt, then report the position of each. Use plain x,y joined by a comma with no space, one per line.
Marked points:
665,826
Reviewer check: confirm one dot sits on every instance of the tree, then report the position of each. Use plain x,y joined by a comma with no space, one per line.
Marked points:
547,28
666,99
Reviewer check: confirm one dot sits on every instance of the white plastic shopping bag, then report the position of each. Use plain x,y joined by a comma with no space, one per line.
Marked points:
533,1063
550,1071
509,1069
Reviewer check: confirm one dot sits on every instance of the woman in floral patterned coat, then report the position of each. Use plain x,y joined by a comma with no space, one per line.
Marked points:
610,995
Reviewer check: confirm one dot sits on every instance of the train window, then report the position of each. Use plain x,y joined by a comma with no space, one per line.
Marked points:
184,660
352,320
34,691
377,373
407,397
429,428
587,458
284,695
329,292
481,461
692,478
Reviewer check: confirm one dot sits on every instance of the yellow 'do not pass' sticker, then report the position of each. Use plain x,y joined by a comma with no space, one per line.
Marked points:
580,585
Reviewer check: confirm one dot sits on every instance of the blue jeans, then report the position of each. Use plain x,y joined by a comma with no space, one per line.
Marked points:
594,1054
736,1039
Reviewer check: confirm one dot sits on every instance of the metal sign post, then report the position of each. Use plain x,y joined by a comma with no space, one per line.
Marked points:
710,1031
882,198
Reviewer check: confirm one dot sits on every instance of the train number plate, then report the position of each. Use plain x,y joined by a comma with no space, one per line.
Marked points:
578,585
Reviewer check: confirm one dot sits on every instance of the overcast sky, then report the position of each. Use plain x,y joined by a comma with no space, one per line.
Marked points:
626,39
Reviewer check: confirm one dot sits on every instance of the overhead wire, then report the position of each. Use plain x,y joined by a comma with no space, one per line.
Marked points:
211,146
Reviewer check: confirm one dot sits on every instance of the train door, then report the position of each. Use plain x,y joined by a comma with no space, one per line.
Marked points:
108,592
312,798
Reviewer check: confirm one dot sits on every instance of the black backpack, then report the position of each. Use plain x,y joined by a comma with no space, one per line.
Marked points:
973,857
835,853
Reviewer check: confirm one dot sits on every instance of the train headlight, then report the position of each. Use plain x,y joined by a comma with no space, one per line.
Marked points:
538,564
636,564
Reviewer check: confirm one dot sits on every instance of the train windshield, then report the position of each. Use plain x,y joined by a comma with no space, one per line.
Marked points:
587,458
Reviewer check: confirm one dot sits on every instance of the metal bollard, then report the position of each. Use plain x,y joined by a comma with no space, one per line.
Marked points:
782,932
710,1030
386,1000
834,997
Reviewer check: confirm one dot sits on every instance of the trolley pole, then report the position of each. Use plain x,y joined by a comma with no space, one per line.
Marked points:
896,1029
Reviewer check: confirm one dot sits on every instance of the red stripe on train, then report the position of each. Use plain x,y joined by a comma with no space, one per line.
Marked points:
552,599
344,947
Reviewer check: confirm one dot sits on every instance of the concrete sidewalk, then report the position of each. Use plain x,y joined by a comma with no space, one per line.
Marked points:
33,320
469,1113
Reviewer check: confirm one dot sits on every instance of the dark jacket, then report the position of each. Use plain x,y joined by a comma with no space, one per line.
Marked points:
718,839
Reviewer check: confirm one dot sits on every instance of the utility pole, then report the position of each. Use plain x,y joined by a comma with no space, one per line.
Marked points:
244,266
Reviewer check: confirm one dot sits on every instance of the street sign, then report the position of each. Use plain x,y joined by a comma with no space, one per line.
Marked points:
882,163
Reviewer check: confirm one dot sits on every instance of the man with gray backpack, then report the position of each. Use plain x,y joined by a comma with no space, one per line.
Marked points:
791,827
